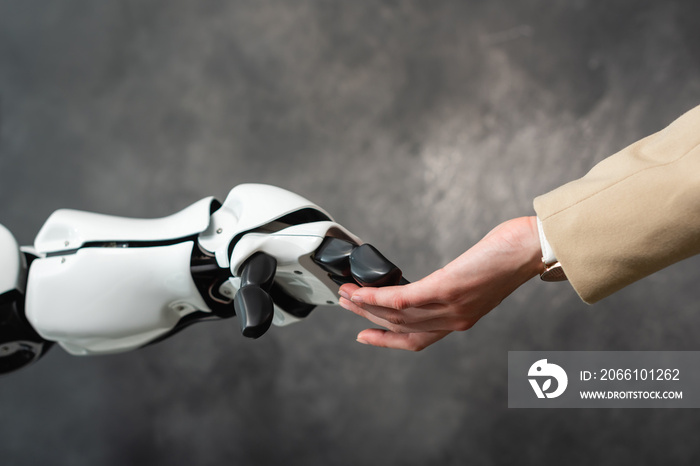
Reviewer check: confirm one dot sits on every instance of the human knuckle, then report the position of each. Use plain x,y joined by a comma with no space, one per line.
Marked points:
463,325
396,319
416,347
399,302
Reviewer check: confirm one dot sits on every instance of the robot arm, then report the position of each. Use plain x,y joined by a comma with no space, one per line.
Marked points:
275,241
101,284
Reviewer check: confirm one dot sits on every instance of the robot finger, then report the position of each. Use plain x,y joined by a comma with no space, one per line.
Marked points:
370,268
346,262
253,304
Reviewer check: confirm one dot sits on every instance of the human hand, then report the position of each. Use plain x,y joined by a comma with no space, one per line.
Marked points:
454,297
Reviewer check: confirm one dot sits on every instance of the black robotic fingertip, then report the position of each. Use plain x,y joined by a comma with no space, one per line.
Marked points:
259,270
253,304
370,268
255,310
333,256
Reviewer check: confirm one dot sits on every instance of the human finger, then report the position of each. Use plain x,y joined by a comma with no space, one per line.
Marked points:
397,321
348,289
394,297
411,315
404,341
352,307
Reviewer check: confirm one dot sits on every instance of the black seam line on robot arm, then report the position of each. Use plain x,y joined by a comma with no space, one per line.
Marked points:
213,207
308,215
299,217
123,244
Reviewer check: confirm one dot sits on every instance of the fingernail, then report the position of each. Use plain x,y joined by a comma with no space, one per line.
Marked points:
360,340
357,299
344,294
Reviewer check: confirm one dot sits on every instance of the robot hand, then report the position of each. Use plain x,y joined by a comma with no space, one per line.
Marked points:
343,261
99,284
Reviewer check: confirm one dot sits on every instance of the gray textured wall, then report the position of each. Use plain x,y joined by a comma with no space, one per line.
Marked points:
420,126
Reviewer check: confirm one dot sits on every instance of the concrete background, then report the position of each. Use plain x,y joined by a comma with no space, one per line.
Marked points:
419,126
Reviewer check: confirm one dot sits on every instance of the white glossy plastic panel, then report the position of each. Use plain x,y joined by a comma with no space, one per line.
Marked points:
69,229
293,247
217,237
11,263
246,207
106,300
289,244
258,204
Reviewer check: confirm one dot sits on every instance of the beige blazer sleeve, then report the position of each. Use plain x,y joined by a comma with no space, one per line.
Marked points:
633,214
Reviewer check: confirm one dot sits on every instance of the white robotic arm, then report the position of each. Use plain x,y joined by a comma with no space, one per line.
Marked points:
100,284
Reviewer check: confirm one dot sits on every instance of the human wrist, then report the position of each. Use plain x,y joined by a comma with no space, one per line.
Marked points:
532,248
517,252
509,252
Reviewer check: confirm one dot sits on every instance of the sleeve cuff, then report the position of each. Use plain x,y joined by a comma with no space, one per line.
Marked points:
548,256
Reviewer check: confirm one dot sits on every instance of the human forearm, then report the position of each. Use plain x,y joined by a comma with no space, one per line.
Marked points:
633,214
